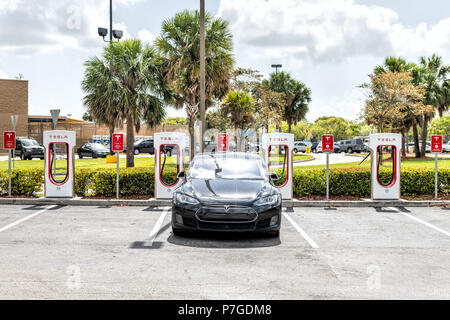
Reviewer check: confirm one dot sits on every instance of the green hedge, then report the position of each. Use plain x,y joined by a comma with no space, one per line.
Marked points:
307,182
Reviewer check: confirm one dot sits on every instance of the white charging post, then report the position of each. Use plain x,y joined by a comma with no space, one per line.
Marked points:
278,140
436,147
382,190
327,148
167,145
117,147
55,186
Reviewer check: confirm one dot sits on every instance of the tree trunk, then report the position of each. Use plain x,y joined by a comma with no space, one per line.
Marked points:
416,140
111,132
130,142
290,127
404,143
191,137
426,119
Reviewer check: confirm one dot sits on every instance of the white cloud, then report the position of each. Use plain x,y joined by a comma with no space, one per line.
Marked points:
311,31
146,36
28,27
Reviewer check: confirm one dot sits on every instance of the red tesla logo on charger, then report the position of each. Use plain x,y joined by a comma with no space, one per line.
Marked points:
117,145
436,144
328,143
9,140
222,143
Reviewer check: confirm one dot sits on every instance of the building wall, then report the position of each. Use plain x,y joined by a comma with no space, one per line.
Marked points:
13,101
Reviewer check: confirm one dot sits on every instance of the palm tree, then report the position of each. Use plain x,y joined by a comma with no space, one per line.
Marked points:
179,45
432,75
297,95
394,64
239,107
127,79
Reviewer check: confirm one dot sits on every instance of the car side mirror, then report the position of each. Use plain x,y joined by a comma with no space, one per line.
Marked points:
274,176
181,175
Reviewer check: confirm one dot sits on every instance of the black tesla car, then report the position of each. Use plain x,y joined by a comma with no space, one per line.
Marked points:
227,192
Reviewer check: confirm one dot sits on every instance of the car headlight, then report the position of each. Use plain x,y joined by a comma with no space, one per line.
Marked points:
268,201
181,198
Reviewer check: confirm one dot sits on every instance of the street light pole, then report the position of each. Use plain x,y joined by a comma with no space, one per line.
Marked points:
110,21
276,66
202,73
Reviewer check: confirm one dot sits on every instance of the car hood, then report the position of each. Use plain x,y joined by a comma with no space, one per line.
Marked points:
224,190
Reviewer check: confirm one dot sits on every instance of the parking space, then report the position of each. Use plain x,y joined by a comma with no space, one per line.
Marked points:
130,252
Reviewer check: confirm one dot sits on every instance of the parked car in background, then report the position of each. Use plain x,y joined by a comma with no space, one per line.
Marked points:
299,147
314,146
446,147
336,148
92,150
351,145
411,147
28,148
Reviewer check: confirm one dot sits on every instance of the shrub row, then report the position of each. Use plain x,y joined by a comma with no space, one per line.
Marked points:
140,182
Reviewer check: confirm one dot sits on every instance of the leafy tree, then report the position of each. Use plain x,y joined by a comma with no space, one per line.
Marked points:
175,121
179,46
441,126
391,99
297,96
124,86
339,127
87,117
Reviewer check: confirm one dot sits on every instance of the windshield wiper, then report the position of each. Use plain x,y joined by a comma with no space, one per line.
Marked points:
218,168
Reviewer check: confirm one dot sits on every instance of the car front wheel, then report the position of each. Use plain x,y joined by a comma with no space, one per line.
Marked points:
22,156
136,152
349,150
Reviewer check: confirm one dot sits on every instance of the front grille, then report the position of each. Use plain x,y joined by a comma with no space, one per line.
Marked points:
226,226
237,214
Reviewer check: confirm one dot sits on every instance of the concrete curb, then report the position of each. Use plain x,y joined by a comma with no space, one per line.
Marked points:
168,203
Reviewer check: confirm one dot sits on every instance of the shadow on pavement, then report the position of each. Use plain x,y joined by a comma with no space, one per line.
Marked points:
225,240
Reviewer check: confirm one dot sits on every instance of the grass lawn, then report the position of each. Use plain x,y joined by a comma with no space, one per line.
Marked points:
85,163
410,163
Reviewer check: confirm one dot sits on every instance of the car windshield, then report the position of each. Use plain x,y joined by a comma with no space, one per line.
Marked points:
227,167
29,143
98,147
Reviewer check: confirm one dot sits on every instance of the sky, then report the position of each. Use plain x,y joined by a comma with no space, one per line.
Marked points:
330,45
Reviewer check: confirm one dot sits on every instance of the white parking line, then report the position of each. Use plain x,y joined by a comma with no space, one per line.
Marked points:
9,226
156,228
311,242
420,221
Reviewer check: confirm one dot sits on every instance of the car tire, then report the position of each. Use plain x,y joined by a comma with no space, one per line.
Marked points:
94,156
80,156
295,150
349,150
136,152
169,153
22,156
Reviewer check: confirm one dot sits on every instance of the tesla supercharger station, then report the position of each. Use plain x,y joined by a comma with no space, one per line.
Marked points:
168,145
59,144
283,142
391,144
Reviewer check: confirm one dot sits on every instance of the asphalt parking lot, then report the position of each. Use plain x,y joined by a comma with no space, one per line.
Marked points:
55,252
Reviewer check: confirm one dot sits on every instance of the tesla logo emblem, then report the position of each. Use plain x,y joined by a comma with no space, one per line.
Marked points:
9,135
226,208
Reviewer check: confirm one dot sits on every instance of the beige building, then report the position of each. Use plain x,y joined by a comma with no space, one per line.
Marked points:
13,101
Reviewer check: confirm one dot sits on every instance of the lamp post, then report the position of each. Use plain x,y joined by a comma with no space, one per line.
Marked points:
117,34
277,66
202,73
